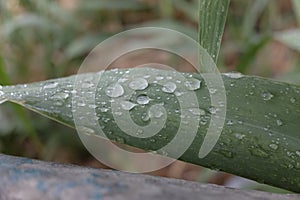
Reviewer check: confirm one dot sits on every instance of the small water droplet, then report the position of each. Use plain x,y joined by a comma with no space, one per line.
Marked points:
273,146
239,136
127,105
155,112
234,75
138,84
197,111
229,122
212,90
293,100
120,140
139,132
86,130
279,122
178,94
298,153
51,85
212,110
114,91
104,110
169,87
193,84
143,99
159,78
87,85
267,96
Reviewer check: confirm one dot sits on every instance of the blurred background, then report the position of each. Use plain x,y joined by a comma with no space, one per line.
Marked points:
44,39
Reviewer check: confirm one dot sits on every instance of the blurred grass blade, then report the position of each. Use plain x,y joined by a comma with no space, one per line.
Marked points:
259,141
251,50
27,21
190,9
110,5
212,14
296,4
252,14
291,38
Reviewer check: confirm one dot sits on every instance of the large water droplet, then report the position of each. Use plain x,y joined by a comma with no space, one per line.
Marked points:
143,99
193,84
234,75
138,84
51,85
267,96
114,91
169,87
127,105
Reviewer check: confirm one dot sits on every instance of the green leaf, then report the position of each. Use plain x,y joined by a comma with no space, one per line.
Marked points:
291,38
213,14
260,139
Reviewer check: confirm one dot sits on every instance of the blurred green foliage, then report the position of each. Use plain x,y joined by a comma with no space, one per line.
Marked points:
43,39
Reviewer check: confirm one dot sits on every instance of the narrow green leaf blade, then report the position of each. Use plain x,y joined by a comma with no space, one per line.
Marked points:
260,139
296,4
212,14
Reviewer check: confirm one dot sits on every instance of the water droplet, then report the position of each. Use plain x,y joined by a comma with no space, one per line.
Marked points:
86,130
234,75
178,94
293,100
193,84
197,111
239,136
229,122
212,90
87,85
169,87
120,140
126,105
155,112
212,110
279,122
138,84
143,99
104,110
298,153
139,132
60,96
114,91
267,96
273,146
159,78
51,85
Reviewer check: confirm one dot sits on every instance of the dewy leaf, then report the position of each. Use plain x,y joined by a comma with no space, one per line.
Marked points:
212,14
260,139
291,38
